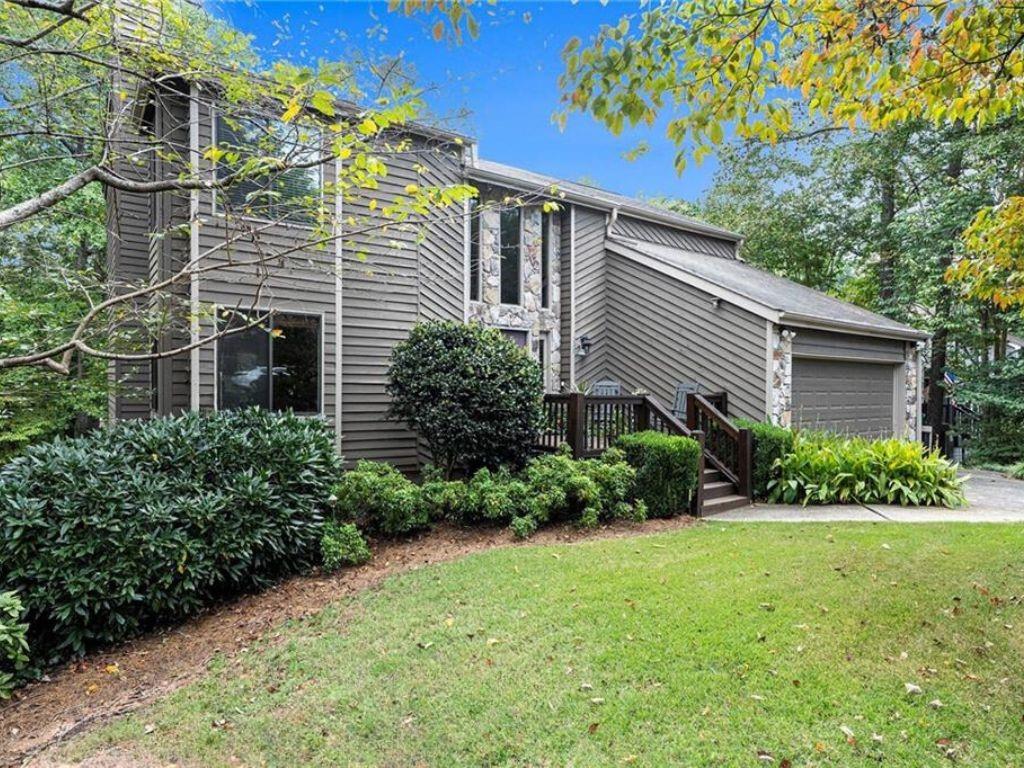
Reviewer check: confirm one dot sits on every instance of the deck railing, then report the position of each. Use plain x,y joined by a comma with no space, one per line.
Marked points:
590,425
727,448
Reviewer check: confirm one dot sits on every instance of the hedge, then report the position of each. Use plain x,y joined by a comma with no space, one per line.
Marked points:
771,443
666,470
829,469
149,521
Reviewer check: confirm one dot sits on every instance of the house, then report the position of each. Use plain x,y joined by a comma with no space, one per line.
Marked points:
604,287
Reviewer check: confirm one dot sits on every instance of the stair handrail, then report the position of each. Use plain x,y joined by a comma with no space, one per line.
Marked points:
733,456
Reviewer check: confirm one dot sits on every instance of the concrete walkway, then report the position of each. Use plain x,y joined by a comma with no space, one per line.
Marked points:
991,498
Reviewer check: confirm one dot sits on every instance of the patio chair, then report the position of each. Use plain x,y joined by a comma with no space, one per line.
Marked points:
606,388
683,389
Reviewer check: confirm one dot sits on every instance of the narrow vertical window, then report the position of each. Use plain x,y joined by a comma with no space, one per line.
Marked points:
542,358
474,250
545,259
510,226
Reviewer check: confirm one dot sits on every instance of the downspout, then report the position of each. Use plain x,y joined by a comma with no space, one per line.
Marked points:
193,205
611,223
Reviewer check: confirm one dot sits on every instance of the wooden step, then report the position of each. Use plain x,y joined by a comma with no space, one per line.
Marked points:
717,489
712,476
724,504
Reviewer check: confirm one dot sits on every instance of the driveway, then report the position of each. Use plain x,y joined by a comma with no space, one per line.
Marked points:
991,498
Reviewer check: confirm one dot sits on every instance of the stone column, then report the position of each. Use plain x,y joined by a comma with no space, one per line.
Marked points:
912,413
782,377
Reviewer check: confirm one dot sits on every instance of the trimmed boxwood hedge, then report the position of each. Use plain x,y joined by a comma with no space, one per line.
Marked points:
666,470
771,443
147,522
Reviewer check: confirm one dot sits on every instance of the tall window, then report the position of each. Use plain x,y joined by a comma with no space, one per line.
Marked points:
273,365
542,357
545,259
511,231
474,250
289,194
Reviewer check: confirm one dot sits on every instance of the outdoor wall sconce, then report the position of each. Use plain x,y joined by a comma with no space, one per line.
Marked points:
585,344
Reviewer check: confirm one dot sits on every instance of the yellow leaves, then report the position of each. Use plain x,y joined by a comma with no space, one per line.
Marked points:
367,127
993,269
291,112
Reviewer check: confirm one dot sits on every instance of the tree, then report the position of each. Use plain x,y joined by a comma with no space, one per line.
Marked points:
83,83
756,67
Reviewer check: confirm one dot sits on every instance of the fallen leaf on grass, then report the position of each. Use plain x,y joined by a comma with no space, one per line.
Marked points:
848,733
912,689
592,728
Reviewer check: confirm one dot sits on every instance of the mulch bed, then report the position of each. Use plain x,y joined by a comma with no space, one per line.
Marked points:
106,684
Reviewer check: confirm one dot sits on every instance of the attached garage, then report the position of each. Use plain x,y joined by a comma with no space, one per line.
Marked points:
847,383
780,350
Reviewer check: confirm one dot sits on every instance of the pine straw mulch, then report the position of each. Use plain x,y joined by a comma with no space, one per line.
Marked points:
107,684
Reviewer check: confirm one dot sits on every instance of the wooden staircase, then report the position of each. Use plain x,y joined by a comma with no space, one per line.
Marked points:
590,424
719,493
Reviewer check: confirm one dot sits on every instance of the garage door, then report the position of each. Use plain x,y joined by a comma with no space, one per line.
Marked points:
841,396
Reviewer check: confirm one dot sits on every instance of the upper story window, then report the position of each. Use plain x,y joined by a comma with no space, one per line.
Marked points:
474,250
545,259
274,364
290,194
511,256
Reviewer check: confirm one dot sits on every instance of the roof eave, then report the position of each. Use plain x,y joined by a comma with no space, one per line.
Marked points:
813,322
669,219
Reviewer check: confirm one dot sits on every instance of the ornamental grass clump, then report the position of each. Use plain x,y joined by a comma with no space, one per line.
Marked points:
829,469
147,522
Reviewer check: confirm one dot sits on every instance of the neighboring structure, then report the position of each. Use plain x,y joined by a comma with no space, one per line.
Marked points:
604,287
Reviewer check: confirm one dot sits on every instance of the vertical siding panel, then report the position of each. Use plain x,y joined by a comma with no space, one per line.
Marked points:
591,299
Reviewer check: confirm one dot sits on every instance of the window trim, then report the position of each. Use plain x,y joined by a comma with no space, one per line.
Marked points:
519,261
321,362
219,212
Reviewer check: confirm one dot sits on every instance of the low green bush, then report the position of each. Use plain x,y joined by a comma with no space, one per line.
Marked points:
13,643
106,535
379,500
667,469
771,443
1017,471
827,469
342,544
494,497
443,499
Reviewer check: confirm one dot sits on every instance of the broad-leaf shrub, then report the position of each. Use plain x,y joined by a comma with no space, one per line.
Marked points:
1017,471
771,443
470,392
827,469
666,470
379,500
146,522
342,544
13,643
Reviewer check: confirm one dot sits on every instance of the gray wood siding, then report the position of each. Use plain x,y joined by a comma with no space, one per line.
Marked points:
637,229
591,296
824,344
566,297
128,220
663,332
304,283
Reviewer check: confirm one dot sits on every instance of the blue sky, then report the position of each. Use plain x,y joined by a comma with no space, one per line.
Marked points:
506,80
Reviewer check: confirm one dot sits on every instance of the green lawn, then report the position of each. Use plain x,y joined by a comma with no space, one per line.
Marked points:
701,647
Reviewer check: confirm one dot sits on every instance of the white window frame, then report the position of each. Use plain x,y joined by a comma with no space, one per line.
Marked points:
218,308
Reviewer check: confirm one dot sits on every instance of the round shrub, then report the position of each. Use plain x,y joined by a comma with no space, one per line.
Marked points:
146,522
342,544
13,643
380,500
473,395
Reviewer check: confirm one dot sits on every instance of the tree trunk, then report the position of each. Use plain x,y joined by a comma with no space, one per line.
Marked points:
943,309
887,250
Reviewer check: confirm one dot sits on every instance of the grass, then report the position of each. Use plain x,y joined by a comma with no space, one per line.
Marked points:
717,645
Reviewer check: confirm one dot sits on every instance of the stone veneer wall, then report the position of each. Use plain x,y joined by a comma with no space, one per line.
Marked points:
782,377
912,368
530,315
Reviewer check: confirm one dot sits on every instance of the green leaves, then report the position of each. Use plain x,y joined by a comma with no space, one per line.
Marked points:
147,522
829,469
